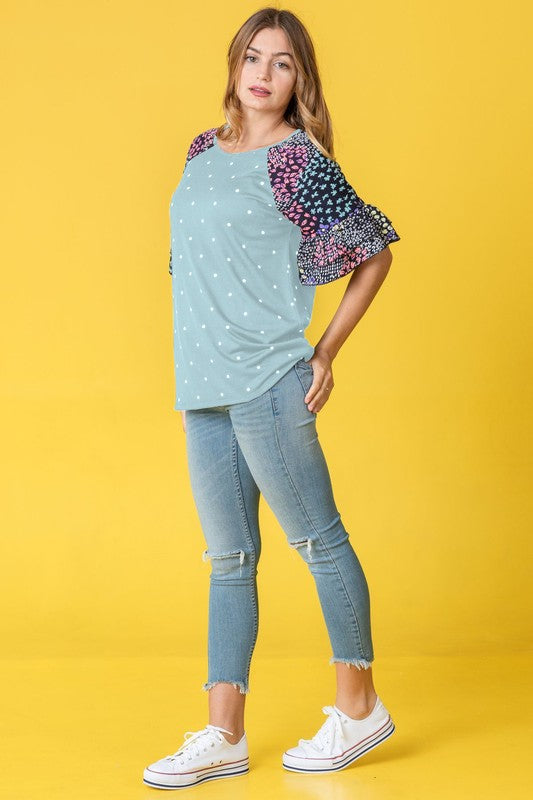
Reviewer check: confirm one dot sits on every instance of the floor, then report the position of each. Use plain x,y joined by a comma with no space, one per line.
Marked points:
87,727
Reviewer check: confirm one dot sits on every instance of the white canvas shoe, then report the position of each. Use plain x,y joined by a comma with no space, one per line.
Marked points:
339,741
204,756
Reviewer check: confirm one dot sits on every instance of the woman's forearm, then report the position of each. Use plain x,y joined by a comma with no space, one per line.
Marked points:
361,290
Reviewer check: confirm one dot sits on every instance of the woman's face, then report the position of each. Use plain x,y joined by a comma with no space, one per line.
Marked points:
268,64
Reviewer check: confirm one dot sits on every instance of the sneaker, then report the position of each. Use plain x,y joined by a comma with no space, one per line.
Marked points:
204,756
340,740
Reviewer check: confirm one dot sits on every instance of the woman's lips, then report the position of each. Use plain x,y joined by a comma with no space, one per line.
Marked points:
259,92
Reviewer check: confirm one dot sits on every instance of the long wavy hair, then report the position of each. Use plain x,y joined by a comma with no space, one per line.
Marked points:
307,107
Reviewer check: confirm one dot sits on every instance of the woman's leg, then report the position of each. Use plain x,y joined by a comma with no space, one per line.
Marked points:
356,695
227,501
278,437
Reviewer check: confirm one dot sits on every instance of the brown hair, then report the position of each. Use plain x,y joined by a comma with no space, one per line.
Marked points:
307,107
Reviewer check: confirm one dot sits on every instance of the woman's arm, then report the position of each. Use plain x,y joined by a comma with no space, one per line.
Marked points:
361,290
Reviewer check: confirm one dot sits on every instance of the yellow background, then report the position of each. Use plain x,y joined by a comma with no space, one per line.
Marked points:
428,432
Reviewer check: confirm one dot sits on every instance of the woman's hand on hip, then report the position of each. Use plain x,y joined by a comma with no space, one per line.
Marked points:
322,386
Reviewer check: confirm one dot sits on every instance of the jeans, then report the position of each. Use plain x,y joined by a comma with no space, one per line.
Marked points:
270,445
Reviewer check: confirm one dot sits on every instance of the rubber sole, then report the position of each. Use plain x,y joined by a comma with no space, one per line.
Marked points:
352,754
209,776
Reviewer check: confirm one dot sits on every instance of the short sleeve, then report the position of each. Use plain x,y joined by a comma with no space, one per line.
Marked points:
190,154
200,142
339,230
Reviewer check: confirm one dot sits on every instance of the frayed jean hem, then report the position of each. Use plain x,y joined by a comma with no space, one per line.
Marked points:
237,684
360,663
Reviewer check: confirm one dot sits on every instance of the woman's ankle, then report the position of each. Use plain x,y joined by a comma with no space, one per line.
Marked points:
235,736
357,708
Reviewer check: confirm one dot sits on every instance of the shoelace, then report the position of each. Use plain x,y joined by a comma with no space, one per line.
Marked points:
195,741
330,734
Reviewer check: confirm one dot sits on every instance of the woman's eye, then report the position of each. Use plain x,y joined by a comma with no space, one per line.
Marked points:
283,64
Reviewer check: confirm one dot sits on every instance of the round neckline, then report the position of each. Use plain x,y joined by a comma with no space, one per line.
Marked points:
256,149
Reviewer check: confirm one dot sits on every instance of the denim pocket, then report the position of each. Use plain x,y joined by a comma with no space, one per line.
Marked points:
304,370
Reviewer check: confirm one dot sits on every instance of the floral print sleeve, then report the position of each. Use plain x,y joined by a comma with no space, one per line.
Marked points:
339,230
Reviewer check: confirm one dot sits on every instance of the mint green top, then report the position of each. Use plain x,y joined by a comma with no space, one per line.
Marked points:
239,310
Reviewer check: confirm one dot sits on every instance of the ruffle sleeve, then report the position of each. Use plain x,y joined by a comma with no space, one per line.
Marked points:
339,230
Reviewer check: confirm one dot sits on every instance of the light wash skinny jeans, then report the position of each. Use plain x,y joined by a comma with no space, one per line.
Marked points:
270,445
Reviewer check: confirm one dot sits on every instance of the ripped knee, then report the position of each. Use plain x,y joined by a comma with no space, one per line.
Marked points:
301,542
217,560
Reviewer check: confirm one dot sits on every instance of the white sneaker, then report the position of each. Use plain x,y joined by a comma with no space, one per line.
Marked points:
340,740
204,756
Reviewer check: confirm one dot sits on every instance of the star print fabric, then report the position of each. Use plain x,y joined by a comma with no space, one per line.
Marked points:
252,235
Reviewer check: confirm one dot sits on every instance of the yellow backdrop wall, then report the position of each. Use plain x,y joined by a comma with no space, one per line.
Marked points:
428,433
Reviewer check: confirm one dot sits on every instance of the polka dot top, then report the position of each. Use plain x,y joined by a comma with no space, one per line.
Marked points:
252,235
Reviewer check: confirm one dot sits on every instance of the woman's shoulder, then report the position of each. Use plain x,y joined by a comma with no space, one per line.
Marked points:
292,161
294,155
202,141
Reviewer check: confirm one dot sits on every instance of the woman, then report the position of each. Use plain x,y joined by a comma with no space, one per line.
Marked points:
261,216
